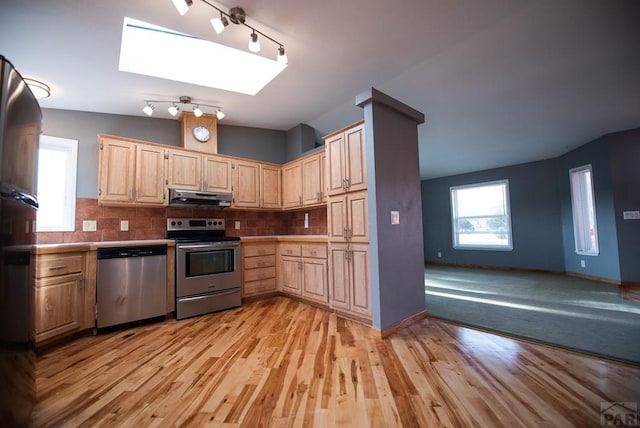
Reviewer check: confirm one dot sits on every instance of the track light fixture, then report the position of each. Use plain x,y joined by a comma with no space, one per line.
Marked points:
174,108
237,16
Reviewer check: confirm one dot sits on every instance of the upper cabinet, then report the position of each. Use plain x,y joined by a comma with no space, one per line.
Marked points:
256,185
131,172
195,171
303,181
346,167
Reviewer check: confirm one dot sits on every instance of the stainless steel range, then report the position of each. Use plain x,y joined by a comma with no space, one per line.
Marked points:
208,276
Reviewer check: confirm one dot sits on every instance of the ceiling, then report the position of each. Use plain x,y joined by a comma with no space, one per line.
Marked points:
501,82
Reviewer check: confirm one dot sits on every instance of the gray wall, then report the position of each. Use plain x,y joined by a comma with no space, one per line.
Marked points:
541,212
393,180
253,143
535,218
300,139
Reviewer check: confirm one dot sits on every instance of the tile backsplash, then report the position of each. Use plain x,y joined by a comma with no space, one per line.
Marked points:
150,223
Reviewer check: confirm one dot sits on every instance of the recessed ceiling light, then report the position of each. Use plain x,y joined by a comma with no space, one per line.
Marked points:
159,52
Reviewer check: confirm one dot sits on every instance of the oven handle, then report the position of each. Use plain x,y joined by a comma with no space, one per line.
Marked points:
221,293
208,246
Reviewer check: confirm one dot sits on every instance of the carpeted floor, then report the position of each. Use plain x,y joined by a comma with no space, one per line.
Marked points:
583,315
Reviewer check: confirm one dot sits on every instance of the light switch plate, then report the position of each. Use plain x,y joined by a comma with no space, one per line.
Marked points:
124,225
89,226
395,217
237,225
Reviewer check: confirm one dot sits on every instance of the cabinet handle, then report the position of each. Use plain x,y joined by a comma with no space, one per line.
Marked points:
57,267
82,284
300,200
344,233
344,184
299,265
349,234
131,194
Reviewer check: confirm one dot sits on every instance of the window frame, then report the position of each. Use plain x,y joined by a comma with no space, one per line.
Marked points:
576,225
70,147
454,218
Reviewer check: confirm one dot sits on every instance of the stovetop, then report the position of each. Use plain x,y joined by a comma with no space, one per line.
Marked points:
197,230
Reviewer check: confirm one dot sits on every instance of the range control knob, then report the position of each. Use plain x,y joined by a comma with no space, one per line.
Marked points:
179,223
210,222
173,223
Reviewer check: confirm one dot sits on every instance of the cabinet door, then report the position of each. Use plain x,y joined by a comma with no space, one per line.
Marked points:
334,149
359,280
117,170
290,275
246,184
292,185
58,306
271,189
339,277
185,171
357,218
311,183
355,166
150,175
337,218
217,174
314,280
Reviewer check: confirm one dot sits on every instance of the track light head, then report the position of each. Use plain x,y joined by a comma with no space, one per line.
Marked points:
282,56
182,6
197,112
220,114
148,109
219,24
173,110
254,43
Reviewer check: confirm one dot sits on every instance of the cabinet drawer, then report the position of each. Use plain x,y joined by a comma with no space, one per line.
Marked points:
259,262
259,250
315,251
259,287
258,274
57,264
290,250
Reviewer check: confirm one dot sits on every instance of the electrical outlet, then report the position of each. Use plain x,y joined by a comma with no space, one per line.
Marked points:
124,225
582,263
439,254
237,225
306,220
89,225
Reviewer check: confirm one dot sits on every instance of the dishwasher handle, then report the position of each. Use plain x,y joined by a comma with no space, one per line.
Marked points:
126,252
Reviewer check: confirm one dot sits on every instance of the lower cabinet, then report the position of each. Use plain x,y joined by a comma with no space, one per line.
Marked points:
349,279
58,293
303,271
259,269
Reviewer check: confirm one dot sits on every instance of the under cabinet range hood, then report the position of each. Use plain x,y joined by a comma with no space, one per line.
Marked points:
194,197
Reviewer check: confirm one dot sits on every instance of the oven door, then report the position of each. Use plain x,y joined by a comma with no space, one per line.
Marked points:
207,267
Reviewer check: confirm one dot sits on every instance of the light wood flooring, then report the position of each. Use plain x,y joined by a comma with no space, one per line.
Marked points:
281,363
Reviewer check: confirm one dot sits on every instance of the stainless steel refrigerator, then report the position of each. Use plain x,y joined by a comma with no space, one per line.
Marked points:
20,124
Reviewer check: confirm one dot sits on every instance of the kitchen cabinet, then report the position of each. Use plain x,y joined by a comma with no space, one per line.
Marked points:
346,166
131,173
349,282
347,218
304,271
195,171
302,182
259,269
256,185
58,293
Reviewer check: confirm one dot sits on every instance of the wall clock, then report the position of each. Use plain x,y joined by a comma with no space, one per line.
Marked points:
201,133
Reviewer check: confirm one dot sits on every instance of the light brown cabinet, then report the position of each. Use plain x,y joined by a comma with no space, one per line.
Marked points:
256,185
346,166
259,269
194,171
302,182
131,173
347,217
303,271
350,281
58,294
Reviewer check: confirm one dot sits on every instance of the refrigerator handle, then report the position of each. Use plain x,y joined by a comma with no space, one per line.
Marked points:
8,193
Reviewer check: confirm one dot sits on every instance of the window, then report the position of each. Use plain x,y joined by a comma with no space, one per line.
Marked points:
584,211
481,216
57,164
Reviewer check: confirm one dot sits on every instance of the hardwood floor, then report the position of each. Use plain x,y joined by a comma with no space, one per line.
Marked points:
279,363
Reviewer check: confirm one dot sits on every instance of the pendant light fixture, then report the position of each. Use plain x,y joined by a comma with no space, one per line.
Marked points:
174,108
237,16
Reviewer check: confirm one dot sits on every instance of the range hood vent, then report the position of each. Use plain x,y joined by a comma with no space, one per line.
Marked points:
192,197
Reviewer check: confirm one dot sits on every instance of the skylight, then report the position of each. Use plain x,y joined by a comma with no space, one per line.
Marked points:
159,52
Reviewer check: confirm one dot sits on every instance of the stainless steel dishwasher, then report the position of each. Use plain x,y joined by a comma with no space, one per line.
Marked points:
131,284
